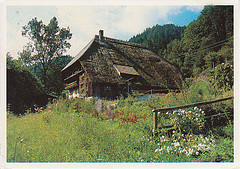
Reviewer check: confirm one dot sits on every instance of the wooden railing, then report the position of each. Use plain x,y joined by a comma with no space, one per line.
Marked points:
160,110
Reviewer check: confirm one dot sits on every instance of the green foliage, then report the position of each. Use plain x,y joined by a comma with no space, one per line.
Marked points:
74,130
157,37
223,151
223,77
54,82
206,42
44,52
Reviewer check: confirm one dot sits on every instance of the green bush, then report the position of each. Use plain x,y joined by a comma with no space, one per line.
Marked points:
223,78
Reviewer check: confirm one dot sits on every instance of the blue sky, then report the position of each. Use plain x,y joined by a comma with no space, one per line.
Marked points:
121,22
187,15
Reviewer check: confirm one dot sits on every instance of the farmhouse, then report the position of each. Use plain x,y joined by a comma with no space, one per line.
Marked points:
108,67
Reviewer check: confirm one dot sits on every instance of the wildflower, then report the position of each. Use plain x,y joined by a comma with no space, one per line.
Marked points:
195,108
177,144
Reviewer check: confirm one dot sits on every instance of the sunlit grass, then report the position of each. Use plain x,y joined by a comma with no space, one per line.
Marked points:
73,131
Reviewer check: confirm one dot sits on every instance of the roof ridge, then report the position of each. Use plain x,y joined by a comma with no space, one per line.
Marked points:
125,42
119,41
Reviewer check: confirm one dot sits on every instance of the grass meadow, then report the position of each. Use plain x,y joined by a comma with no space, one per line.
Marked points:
73,130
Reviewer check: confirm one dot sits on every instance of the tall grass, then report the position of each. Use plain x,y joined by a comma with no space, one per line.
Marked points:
74,131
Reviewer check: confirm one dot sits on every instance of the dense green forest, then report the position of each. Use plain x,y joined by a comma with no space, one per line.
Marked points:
157,37
205,43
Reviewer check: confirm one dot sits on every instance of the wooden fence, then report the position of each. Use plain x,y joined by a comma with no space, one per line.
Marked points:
161,110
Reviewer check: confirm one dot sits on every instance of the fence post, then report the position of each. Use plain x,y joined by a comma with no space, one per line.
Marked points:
155,122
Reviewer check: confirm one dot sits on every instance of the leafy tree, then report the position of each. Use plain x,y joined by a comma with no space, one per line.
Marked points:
47,43
54,82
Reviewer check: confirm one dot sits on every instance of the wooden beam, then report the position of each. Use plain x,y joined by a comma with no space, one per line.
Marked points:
190,105
74,74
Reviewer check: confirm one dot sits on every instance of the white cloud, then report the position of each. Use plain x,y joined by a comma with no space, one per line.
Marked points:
15,40
196,8
120,22
85,21
136,19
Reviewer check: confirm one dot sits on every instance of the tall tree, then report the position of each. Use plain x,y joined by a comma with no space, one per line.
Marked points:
47,42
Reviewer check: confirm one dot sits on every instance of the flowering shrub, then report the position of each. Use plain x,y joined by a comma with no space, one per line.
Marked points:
186,120
185,144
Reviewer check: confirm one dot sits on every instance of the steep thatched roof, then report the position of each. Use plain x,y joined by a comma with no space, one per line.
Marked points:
105,60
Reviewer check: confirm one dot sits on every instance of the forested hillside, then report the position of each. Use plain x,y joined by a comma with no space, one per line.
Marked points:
157,37
205,43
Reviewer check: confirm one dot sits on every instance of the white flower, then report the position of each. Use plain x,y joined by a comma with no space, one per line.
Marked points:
195,108
177,144
197,153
